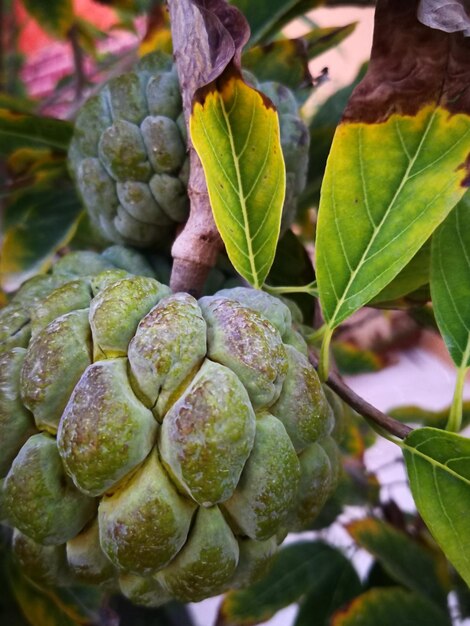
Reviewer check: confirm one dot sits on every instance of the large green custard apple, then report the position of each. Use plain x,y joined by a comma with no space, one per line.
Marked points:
128,153
153,442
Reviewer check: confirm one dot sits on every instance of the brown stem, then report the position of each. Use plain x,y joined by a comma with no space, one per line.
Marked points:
78,61
196,248
363,407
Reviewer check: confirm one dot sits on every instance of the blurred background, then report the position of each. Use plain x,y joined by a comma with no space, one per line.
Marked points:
389,358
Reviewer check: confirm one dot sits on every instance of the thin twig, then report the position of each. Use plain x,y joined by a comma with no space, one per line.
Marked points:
78,61
383,421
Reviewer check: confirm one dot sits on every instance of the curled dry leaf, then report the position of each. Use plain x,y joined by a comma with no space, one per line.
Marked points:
411,66
448,15
208,35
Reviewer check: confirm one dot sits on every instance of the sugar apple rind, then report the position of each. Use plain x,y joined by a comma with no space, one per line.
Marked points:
145,524
39,499
161,357
16,422
199,431
105,431
181,460
128,153
268,486
208,561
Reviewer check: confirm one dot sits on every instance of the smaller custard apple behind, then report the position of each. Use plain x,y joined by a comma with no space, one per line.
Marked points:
129,160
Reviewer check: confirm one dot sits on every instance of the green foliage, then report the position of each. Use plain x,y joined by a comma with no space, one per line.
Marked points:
55,16
450,281
424,417
353,360
20,130
46,607
298,569
388,607
322,130
405,560
393,231
285,60
438,465
298,270
328,595
37,223
412,277
267,17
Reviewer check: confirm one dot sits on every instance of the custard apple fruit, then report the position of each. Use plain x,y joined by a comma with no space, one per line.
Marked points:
151,441
128,153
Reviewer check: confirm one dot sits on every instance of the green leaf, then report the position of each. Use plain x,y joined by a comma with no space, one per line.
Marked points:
322,130
389,607
54,16
438,465
10,613
408,562
16,104
266,17
18,130
328,595
436,419
38,223
296,569
450,281
412,277
40,607
376,213
319,40
235,131
351,359
284,61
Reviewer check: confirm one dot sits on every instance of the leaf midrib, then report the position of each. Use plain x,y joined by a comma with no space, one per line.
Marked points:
434,462
241,197
377,228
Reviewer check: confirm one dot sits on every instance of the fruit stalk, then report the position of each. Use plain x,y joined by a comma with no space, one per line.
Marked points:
197,246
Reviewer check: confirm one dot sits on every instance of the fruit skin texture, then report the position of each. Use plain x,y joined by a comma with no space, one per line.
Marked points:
178,448
128,153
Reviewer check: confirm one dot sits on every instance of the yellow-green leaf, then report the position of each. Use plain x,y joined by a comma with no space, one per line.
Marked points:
54,16
425,417
235,131
319,40
19,130
284,60
351,359
389,606
37,223
387,186
438,465
40,607
405,560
